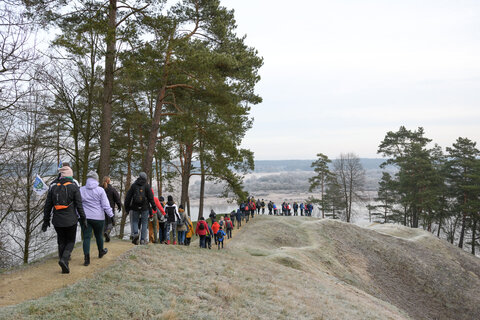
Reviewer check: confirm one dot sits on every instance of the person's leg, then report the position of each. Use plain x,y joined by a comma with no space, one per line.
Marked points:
135,220
70,237
174,228
155,228
87,235
202,241
98,226
144,232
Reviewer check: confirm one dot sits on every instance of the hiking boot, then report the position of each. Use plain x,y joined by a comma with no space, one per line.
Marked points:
64,265
168,241
135,239
102,253
107,237
87,260
142,242
174,242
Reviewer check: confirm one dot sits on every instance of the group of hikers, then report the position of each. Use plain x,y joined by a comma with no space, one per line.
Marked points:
93,205
286,209
151,219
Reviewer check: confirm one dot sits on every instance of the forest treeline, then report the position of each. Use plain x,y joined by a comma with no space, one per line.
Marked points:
432,188
122,87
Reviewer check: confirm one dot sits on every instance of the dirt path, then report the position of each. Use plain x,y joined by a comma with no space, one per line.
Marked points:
42,278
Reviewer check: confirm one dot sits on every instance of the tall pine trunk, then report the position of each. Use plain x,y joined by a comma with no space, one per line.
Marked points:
111,39
474,235
129,180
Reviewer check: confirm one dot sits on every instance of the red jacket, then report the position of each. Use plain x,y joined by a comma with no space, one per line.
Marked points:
215,227
201,232
158,204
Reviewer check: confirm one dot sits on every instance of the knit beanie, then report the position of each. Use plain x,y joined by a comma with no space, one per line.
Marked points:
93,175
66,171
143,175
170,199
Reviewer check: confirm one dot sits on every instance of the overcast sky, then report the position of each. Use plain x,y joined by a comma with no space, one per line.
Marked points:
339,74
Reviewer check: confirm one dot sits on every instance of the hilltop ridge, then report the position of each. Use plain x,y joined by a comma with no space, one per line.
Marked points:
280,268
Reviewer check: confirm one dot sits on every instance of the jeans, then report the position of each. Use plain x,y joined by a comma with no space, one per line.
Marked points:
136,216
181,236
171,226
229,233
202,241
162,232
239,223
97,227
66,241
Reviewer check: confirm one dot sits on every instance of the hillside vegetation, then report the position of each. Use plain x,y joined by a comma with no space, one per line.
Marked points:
279,268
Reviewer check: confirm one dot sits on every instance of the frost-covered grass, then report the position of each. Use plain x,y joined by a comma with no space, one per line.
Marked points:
274,268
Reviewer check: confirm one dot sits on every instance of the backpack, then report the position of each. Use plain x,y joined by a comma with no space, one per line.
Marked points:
201,226
139,197
229,225
221,223
60,196
180,220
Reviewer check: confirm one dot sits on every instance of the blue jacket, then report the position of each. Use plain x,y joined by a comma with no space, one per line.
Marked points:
220,235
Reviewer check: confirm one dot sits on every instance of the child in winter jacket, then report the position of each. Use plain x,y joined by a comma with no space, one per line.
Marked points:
220,236
215,228
190,232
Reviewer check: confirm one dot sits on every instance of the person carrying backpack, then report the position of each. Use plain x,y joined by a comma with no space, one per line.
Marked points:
220,235
213,215
153,221
201,230
96,204
239,218
182,226
113,199
139,199
162,222
65,199
190,232
229,227
215,228
172,219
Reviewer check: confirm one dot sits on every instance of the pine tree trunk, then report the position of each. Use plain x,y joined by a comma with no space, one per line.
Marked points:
104,163
474,235
462,231
128,182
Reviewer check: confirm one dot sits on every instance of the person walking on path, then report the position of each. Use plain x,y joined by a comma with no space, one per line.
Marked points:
182,225
190,232
295,208
201,231
153,221
66,201
172,217
213,215
220,236
113,199
302,207
215,228
239,218
139,199
229,227
162,222
96,204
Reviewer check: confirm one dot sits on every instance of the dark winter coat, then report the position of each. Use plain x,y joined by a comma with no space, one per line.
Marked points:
64,217
171,211
140,183
113,197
